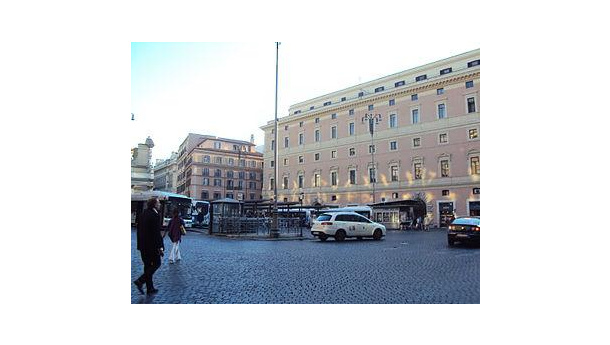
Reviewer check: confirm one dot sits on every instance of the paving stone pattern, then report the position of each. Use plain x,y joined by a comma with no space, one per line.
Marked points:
404,267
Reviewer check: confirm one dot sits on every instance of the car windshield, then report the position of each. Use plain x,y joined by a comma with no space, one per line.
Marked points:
324,217
467,221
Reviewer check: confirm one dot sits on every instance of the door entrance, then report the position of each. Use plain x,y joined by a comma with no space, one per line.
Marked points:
475,208
446,213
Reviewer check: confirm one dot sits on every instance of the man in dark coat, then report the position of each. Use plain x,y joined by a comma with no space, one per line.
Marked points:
150,244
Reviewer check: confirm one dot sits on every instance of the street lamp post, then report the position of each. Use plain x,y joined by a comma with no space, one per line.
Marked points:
274,232
372,120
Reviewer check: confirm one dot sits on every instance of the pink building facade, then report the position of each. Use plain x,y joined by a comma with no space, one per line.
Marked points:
425,144
210,168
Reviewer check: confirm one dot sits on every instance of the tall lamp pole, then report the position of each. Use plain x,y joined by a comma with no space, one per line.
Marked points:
372,120
274,229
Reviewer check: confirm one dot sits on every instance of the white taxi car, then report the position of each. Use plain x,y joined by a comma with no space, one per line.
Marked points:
341,225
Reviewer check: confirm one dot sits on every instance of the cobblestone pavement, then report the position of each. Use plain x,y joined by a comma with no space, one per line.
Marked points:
404,267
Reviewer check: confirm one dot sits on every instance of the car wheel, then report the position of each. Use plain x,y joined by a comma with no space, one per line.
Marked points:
451,242
323,238
340,235
377,234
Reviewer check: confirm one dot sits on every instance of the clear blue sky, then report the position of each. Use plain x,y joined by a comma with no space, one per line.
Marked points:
228,89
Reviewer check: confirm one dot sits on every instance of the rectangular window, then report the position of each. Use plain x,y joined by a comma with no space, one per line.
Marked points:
217,145
285,142
217,182
392,102
415,116
311,108
206,172
446,70
352,177
360,94
301,124
416,142
317,135
393,122
370,107
417,171
471,105
204,195
271,184
394,173
285,161
444,168
316,180
333,132
301,160
316,157
474,63
272,145
379,89
333,116
372,149
441,111
421,77
445,192
473,133
333,178
326,103
414,97
352,151
440,91
400,83
393,145
301,138
285,128
317,120
206,181
285,182
442,138
343,99
372,178
216,195
351,112
469,84
333,154
351,129
474,166
300,179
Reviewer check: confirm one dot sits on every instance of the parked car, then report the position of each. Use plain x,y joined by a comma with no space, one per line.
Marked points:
464,230
341,225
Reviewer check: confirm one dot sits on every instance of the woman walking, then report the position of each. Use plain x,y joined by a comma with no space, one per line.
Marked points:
176,229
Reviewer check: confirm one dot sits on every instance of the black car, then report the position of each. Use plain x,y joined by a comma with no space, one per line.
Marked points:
464,230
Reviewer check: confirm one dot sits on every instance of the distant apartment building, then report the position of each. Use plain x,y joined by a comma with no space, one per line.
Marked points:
141,170
211,168
425,145
165,174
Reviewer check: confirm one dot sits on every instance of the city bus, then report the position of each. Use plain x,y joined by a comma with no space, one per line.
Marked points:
169,202
361,210
201,213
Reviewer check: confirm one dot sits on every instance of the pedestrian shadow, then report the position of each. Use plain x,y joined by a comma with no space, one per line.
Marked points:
145,299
